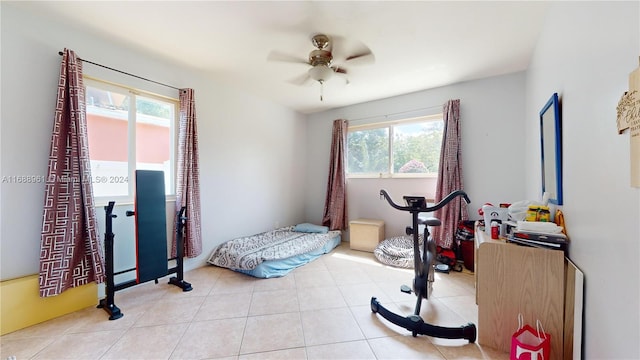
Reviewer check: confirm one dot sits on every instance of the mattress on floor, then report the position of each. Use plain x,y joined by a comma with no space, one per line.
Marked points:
273,253
279,268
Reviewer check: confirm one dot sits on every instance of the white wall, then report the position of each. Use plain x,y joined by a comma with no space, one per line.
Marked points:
252,151
585,54
492,117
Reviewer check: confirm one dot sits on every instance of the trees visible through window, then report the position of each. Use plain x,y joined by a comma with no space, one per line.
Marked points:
128,131
407,148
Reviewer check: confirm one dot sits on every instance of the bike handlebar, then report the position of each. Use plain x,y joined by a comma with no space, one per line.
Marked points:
435,207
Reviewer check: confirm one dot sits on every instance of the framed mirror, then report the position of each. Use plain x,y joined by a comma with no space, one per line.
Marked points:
551,146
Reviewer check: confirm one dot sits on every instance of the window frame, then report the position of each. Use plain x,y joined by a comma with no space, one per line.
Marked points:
131,137
390,125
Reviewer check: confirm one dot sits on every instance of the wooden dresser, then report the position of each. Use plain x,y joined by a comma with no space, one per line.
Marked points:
538,283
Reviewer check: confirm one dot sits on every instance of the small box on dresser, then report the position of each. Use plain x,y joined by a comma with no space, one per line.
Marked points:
365,234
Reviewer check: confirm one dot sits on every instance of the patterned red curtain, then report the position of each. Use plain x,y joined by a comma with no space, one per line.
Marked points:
450,177
188,181
335,206
70,251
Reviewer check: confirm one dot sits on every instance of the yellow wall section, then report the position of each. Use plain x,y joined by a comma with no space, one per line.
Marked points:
21,305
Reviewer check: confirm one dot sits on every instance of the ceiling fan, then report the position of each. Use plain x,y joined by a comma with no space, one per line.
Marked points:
323,66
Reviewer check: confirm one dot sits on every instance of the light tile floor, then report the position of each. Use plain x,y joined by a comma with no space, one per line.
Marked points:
318,311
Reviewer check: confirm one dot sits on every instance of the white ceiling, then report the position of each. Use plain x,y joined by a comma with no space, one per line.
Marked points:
417,45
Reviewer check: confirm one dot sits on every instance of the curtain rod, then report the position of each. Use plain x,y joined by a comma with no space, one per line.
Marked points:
122,72
394,114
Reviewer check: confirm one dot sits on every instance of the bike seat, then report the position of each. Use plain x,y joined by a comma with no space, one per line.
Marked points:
429,221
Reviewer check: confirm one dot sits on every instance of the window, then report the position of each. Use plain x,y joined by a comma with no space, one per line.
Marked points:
128,131
404,148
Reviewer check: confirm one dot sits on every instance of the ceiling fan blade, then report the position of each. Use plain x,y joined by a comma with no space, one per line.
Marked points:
353,51
300,80
343,74
279,56
361,57
336,46
339,70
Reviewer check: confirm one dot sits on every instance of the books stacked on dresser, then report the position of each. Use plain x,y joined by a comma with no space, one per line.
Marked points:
546,235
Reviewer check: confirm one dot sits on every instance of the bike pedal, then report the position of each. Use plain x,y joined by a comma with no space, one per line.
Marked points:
405,289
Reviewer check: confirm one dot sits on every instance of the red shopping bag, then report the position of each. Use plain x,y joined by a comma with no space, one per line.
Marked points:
530,344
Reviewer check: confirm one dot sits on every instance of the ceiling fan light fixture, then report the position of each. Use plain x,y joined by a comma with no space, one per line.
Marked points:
320,73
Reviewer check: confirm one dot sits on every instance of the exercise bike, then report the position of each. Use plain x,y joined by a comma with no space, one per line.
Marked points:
424,271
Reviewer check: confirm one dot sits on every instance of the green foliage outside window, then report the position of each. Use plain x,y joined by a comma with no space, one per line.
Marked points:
415,148
153,108
149,107
368,151
419,143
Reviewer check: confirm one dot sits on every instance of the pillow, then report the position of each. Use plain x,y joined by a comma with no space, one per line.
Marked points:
311,228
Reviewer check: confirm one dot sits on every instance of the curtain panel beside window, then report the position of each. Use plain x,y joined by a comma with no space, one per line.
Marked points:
188,176
70,251
450,177
335,206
